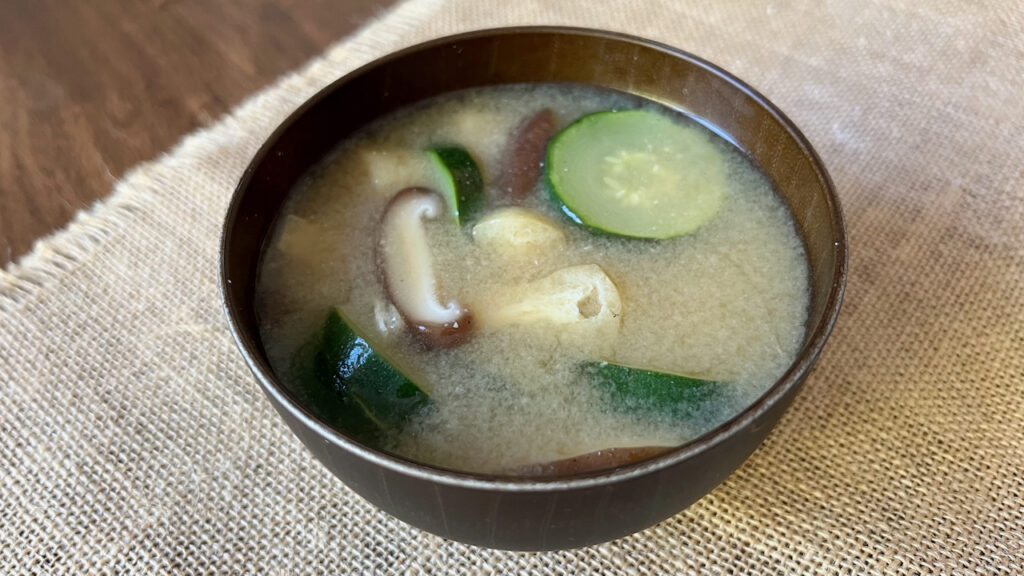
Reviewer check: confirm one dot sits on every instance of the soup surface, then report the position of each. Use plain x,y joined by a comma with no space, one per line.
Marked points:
725,303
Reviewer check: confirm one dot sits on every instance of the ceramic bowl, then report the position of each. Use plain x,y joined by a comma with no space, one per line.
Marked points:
537,513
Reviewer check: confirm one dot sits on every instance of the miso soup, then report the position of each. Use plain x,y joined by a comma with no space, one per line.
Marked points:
504,279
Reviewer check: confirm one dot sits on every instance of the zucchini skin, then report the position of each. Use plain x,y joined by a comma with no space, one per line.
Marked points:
462,182
638,390
353,387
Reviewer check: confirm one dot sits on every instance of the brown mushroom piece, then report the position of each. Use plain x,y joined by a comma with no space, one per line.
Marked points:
594,461
406,265
521,168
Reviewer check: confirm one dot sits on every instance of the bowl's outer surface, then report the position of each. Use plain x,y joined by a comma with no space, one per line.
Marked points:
521,513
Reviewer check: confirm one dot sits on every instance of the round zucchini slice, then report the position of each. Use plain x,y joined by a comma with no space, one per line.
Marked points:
636,173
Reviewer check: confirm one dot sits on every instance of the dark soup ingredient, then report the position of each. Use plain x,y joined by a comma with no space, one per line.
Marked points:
522,162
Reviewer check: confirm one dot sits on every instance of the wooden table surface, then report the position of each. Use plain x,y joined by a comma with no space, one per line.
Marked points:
89,89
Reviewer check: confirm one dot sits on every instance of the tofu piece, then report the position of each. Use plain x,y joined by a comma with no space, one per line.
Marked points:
518,235
578,304
300,239
391,169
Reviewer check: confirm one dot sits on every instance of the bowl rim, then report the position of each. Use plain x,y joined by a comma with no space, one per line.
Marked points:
792,377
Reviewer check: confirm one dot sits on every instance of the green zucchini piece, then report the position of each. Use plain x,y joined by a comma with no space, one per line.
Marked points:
638,390
353,387
636,173
461,183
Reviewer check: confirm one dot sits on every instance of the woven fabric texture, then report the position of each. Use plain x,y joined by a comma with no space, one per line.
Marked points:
134,440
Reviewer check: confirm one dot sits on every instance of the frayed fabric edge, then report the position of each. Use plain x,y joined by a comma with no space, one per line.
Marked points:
55,255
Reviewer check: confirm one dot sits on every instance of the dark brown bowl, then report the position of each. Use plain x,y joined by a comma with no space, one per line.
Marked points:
521,513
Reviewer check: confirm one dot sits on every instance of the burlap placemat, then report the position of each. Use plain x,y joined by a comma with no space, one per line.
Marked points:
134,439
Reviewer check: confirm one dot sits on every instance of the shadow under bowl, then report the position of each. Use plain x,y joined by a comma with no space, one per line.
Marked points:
532,513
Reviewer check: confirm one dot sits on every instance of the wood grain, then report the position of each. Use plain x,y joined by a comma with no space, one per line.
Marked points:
89,89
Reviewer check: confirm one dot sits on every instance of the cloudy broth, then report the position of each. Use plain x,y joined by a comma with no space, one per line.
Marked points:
727,302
